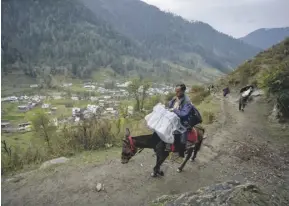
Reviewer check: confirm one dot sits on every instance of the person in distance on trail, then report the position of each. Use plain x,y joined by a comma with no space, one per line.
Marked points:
226,91
245,93
182,106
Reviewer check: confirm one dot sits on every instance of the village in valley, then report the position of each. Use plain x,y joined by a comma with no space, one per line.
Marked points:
69,107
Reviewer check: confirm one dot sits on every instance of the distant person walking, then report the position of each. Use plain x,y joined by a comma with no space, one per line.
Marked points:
226,91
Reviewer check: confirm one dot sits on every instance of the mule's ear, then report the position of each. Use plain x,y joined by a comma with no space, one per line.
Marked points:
127,132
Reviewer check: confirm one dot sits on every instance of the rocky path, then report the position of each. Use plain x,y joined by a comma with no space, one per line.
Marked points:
238,147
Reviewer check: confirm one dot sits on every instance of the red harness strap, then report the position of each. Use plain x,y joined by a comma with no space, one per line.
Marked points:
193,136
131,144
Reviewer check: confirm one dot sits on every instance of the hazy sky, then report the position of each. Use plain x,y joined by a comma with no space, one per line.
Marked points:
233,17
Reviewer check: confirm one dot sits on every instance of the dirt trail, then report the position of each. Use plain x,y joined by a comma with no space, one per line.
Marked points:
220,159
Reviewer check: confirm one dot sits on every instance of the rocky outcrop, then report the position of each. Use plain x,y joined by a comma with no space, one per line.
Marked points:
59,160
230,193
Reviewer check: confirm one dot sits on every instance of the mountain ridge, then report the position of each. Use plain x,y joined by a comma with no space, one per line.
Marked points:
264,38
71,37
166,35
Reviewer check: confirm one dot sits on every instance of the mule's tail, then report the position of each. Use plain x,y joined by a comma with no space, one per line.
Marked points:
200,128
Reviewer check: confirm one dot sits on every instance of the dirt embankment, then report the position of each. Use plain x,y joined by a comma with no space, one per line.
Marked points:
239,146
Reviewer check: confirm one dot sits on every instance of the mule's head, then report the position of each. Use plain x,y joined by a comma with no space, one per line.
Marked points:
128,149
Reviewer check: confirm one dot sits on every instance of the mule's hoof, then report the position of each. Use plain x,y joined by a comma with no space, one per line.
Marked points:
192,160
161,173
179,170
153,174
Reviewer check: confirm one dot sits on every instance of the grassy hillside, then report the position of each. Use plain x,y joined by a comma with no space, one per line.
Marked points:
268,70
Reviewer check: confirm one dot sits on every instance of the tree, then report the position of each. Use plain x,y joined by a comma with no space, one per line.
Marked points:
42,126
146,85
138,89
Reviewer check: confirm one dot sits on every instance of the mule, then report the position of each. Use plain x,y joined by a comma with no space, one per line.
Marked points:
243,101
132,145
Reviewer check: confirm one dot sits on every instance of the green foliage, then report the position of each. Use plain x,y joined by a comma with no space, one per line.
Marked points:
208,117
14,158
270,71
198,94
138,90
67,140
42,126
209,109
276,79
276,82
264,62
152,101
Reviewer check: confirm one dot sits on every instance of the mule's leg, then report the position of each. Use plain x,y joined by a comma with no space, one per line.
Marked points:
161,157
196,150
240,104
155,173
188,156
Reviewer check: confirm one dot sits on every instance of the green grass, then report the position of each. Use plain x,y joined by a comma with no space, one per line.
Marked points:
11,113
96,156
21,140
209,109
105,74
16,83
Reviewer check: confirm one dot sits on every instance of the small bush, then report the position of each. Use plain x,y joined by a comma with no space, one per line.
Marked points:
276,82
14,158
208,117
198,94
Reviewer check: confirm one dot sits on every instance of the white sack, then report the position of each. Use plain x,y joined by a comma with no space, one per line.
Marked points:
164,123
246,93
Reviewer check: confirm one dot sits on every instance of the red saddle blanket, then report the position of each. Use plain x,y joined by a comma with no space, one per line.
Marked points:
192,137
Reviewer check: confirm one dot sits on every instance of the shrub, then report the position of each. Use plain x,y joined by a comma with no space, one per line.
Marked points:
198,94
208,117
276,82
89,135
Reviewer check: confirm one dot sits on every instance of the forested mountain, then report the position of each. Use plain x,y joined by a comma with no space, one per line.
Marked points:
165,35
60,33
77,37
265,38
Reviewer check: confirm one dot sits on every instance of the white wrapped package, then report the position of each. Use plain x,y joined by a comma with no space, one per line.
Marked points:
246,93
164,123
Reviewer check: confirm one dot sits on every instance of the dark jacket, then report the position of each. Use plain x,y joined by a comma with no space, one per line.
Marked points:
226,91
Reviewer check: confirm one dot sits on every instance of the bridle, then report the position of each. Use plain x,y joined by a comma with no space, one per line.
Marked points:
133,149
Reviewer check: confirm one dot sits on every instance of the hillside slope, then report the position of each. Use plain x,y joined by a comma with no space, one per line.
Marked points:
268,70
240,146
265,38
165,35
65,37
